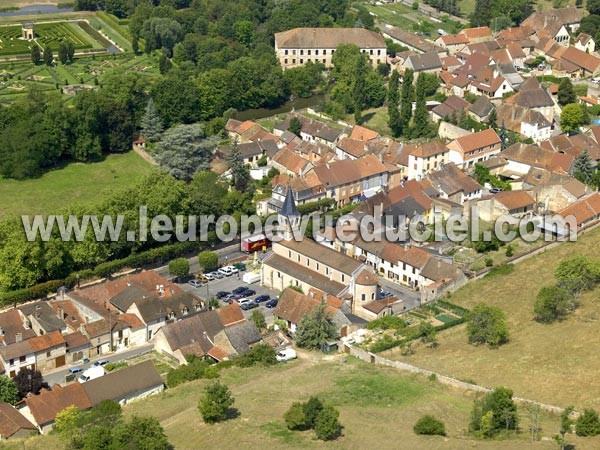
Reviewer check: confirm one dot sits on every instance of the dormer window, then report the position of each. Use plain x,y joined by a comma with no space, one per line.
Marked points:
171,315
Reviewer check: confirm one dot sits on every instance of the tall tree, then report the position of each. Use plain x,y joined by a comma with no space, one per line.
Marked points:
36,54
487,325
29,380
216,402
421,125
184,150
393,99
239,172
583,167
48,56
152,126
571,117
493,118
63,55
315,328
406,100
566,92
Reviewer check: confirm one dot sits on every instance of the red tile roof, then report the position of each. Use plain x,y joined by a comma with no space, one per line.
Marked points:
363,134
12,421
45,406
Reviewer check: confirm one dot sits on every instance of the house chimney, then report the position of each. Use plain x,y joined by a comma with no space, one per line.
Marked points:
18,337
62,313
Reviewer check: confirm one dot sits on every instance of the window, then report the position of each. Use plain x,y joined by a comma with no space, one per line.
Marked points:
301,61
22,359
317,266
47,354
372,295
289,253
285,61
371,52
294,61
324,62
307,262
343,277
378,54
316,52
363,297
302,52
12,362
298,257
286,52
326,270
293,52
308,52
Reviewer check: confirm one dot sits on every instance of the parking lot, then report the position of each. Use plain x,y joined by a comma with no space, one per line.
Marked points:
228,284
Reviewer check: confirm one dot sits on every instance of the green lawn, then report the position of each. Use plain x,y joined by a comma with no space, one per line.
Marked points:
554,363
75,184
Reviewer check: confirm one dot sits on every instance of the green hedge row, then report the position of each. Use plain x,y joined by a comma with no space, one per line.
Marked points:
102,270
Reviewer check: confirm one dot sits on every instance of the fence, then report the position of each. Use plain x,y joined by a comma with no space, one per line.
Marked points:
376,359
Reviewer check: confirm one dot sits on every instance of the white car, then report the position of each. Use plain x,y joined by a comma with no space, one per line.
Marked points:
286,355
209,276
225,271
243,301
596,80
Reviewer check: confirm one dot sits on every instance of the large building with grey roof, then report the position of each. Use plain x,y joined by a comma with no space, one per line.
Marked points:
299,46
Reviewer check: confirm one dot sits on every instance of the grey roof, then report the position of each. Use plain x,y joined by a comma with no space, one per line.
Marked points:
154,308
328,133
425,61
123,383
45,315
242,336
407,207
289,205
438,270
482,107
199,330
124,299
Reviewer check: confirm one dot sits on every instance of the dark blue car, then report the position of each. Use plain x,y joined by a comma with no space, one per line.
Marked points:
271,303
262,298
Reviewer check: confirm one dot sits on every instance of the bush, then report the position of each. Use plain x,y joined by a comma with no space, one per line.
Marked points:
429,425
489,262
208,260
295,418
261,354
312,408
327,425
494,412
194,370
487,325
386,323
588,423
509,251
215,404
553,303
111,366
179,268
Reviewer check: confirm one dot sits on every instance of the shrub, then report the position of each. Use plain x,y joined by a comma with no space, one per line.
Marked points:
261,354
214,405
489,262
312,408
179,267
295,418
327,425
429,425
553,303
194,370
509,251
494,412
208,260
487,325
588,423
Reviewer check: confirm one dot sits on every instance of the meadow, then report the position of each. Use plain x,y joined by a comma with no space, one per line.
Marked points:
553,363
77,184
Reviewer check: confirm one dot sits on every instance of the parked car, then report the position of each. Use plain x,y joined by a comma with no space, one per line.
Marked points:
240,266
239,290
195,283
262,298
247,306
201,278
249,292
286,355
495,190
218,275
384,294
91,374
226,271
75,370
222,294
101,362
271,303
209,276
244,301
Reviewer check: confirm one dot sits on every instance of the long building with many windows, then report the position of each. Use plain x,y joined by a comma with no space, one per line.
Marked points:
298,46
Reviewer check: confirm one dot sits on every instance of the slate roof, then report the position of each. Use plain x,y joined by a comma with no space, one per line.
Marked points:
123,383
289,205
482,107
451,180
425,61
437,269
242,336
410,39
328,38
44,314
325,255
199,329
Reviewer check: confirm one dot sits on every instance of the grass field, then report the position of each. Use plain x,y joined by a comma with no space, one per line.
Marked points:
378,408
554,363
75,184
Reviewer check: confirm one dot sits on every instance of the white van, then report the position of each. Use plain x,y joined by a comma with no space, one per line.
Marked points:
286,355
225,271
91,374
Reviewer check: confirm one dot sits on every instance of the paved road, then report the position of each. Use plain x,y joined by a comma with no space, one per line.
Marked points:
226,254
228,284
58,376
